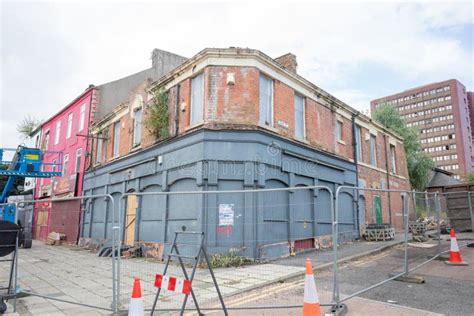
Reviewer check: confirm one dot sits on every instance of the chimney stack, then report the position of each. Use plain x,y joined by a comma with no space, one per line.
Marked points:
288,61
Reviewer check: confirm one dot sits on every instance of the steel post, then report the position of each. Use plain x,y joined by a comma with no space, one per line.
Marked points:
438,219
406,211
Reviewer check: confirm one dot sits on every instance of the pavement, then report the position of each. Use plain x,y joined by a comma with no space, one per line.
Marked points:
73,274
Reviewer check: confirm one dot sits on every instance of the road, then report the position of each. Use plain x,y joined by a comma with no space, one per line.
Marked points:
447,290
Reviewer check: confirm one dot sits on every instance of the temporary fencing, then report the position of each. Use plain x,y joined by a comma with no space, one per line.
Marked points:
253,238
55,267
248,234
415,221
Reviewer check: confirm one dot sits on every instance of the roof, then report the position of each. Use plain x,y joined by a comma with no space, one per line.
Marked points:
441,178
236,52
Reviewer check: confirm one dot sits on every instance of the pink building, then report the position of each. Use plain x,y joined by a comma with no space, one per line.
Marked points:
65,132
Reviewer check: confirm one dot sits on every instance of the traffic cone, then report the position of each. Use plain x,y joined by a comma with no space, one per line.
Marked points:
136,302
311,305
454,254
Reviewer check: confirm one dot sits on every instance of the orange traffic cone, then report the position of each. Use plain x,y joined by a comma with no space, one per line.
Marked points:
454,254
311,305
136,302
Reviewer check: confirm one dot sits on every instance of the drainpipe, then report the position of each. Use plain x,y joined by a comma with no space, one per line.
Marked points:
176,116
88,155
354,149
387,157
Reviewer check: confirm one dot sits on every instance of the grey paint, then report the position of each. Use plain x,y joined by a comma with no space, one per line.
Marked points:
116,92
228,160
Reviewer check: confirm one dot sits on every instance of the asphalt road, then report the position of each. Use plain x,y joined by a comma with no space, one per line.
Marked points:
447,290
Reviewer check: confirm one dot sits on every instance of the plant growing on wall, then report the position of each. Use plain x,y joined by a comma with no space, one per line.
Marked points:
157,121
419,163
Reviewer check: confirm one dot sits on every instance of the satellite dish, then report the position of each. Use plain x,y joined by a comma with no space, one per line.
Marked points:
8,233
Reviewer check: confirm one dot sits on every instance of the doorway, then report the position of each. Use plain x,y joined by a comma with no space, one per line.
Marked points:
130,220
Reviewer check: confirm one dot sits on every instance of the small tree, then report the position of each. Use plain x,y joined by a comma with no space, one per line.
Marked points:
27,126
157,121
470,178
419,163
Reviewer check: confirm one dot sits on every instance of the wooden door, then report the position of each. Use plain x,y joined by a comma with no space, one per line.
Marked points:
131,220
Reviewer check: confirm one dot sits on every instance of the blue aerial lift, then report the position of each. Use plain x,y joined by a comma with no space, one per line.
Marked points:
26,162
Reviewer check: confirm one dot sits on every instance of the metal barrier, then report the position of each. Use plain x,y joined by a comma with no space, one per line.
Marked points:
257,232
242,227
68,274
422,216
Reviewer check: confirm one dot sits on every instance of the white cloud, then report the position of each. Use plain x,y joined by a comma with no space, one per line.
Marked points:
52,52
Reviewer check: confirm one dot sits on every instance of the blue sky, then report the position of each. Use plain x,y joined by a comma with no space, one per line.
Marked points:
358,51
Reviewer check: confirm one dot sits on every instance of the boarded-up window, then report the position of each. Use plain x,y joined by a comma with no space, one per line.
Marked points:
197,99
299,117
266,100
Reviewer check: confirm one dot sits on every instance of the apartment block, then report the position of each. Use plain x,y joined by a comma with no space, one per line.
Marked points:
442,112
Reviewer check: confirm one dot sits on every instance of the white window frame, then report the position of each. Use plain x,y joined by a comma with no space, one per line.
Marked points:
57,133
65,164
77,166
70,117
304,117
82,117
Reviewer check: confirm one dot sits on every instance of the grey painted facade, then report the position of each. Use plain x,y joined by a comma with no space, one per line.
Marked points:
209,160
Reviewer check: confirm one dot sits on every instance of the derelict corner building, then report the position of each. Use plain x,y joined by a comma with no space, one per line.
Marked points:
238,120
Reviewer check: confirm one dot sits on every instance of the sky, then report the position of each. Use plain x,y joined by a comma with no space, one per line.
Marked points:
357,51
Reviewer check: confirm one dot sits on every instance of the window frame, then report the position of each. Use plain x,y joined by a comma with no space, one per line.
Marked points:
98,155
82,117
339,132
57,133
116,139
303,136
358,138
270,110
194,120
70,118
393,158
373,150
65,165
137,131
77,165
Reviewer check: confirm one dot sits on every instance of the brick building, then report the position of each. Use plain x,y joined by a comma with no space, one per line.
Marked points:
66,133
239,119
442,114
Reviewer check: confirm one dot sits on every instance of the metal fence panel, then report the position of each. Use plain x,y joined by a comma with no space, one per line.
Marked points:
56,267
255,231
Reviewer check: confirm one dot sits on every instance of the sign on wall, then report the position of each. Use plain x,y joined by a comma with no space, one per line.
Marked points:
65,185
226,214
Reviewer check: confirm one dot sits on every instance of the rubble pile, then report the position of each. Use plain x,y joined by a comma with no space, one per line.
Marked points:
425,228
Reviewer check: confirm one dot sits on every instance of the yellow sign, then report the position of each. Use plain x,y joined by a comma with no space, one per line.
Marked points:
32,156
